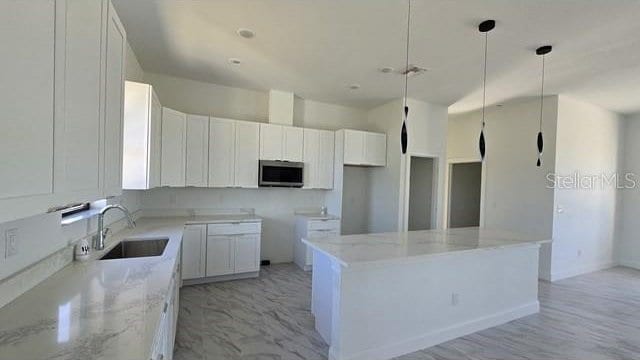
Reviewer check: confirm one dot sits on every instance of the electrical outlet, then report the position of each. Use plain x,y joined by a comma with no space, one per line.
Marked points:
10,243
455,299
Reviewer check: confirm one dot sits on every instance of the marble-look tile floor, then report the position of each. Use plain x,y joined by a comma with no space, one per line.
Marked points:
589,317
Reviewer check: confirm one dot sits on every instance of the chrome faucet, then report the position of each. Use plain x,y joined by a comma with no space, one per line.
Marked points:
98,242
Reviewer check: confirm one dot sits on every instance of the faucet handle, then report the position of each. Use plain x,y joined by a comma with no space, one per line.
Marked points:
105,231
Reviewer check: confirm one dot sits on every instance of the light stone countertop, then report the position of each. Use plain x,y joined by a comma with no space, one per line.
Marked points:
317,216
350,250
99,309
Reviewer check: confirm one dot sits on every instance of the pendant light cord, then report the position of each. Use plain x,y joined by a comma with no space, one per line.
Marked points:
406,74
484,79
542,94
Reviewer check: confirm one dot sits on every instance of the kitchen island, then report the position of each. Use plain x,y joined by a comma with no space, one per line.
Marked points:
377,296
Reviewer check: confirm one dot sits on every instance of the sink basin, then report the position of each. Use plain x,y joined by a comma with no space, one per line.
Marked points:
137,248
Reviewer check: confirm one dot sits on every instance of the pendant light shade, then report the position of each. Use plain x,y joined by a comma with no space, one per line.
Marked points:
541,51
404,136
484,27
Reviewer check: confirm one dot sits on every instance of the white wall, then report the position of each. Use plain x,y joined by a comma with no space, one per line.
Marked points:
628,245
355,200
589,142
133,70
195,97
516,197
319,115
427,128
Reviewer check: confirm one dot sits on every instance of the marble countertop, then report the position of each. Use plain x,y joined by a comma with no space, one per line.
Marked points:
317,216
222,218
349,250
97,309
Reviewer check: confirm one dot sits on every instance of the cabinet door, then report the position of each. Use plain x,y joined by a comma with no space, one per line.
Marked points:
222,135
135,165
27,101
375,149
197,166
247,253
271,142
292,144
311,157
173,148
194,255
78,165
114,103
246,154
155,136
220,255
326,152
354,147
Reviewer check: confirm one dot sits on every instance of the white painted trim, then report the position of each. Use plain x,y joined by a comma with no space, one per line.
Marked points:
438,337
483,187
580,270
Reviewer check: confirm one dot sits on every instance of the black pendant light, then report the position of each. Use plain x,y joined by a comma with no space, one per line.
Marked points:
404,137
541,51
484,27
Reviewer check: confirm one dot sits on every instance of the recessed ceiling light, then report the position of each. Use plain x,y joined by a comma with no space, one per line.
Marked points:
235,61
354,86
246,33
386,69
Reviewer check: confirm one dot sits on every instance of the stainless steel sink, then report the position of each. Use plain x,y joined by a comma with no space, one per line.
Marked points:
137,248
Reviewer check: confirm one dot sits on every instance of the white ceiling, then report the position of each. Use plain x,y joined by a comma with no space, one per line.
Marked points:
317,48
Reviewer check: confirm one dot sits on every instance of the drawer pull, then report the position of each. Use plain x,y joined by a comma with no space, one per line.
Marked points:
166,306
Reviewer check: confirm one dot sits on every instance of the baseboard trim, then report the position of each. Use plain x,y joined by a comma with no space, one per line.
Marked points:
440,336
630,264
580,270
213,279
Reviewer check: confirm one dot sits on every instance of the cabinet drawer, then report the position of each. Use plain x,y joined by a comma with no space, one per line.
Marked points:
324,225
238,228
321,234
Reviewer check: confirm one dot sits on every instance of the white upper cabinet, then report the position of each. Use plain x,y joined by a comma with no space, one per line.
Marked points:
247,148
271,142
292,144
318,159
197,161
173,148
222,138
375,149
279,142
116,43
28,37
364,148
234,147
353,147
142,137
326,159
78,155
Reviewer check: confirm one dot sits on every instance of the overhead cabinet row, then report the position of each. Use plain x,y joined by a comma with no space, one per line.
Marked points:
62,97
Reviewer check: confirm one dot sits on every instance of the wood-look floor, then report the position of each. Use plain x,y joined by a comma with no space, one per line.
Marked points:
589,317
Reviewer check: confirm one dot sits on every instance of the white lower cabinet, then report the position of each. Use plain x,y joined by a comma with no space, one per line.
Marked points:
220,249
166,334
220,255
194,251
312,228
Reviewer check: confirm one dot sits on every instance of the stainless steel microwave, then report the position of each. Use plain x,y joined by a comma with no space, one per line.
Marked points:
281,174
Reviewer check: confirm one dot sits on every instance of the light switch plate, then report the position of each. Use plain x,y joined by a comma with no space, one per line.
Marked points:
11,243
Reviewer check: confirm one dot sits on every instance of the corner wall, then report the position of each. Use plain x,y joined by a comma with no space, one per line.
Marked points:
589,143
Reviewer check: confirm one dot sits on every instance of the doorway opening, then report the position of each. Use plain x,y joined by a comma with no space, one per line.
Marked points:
465,191
421,190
